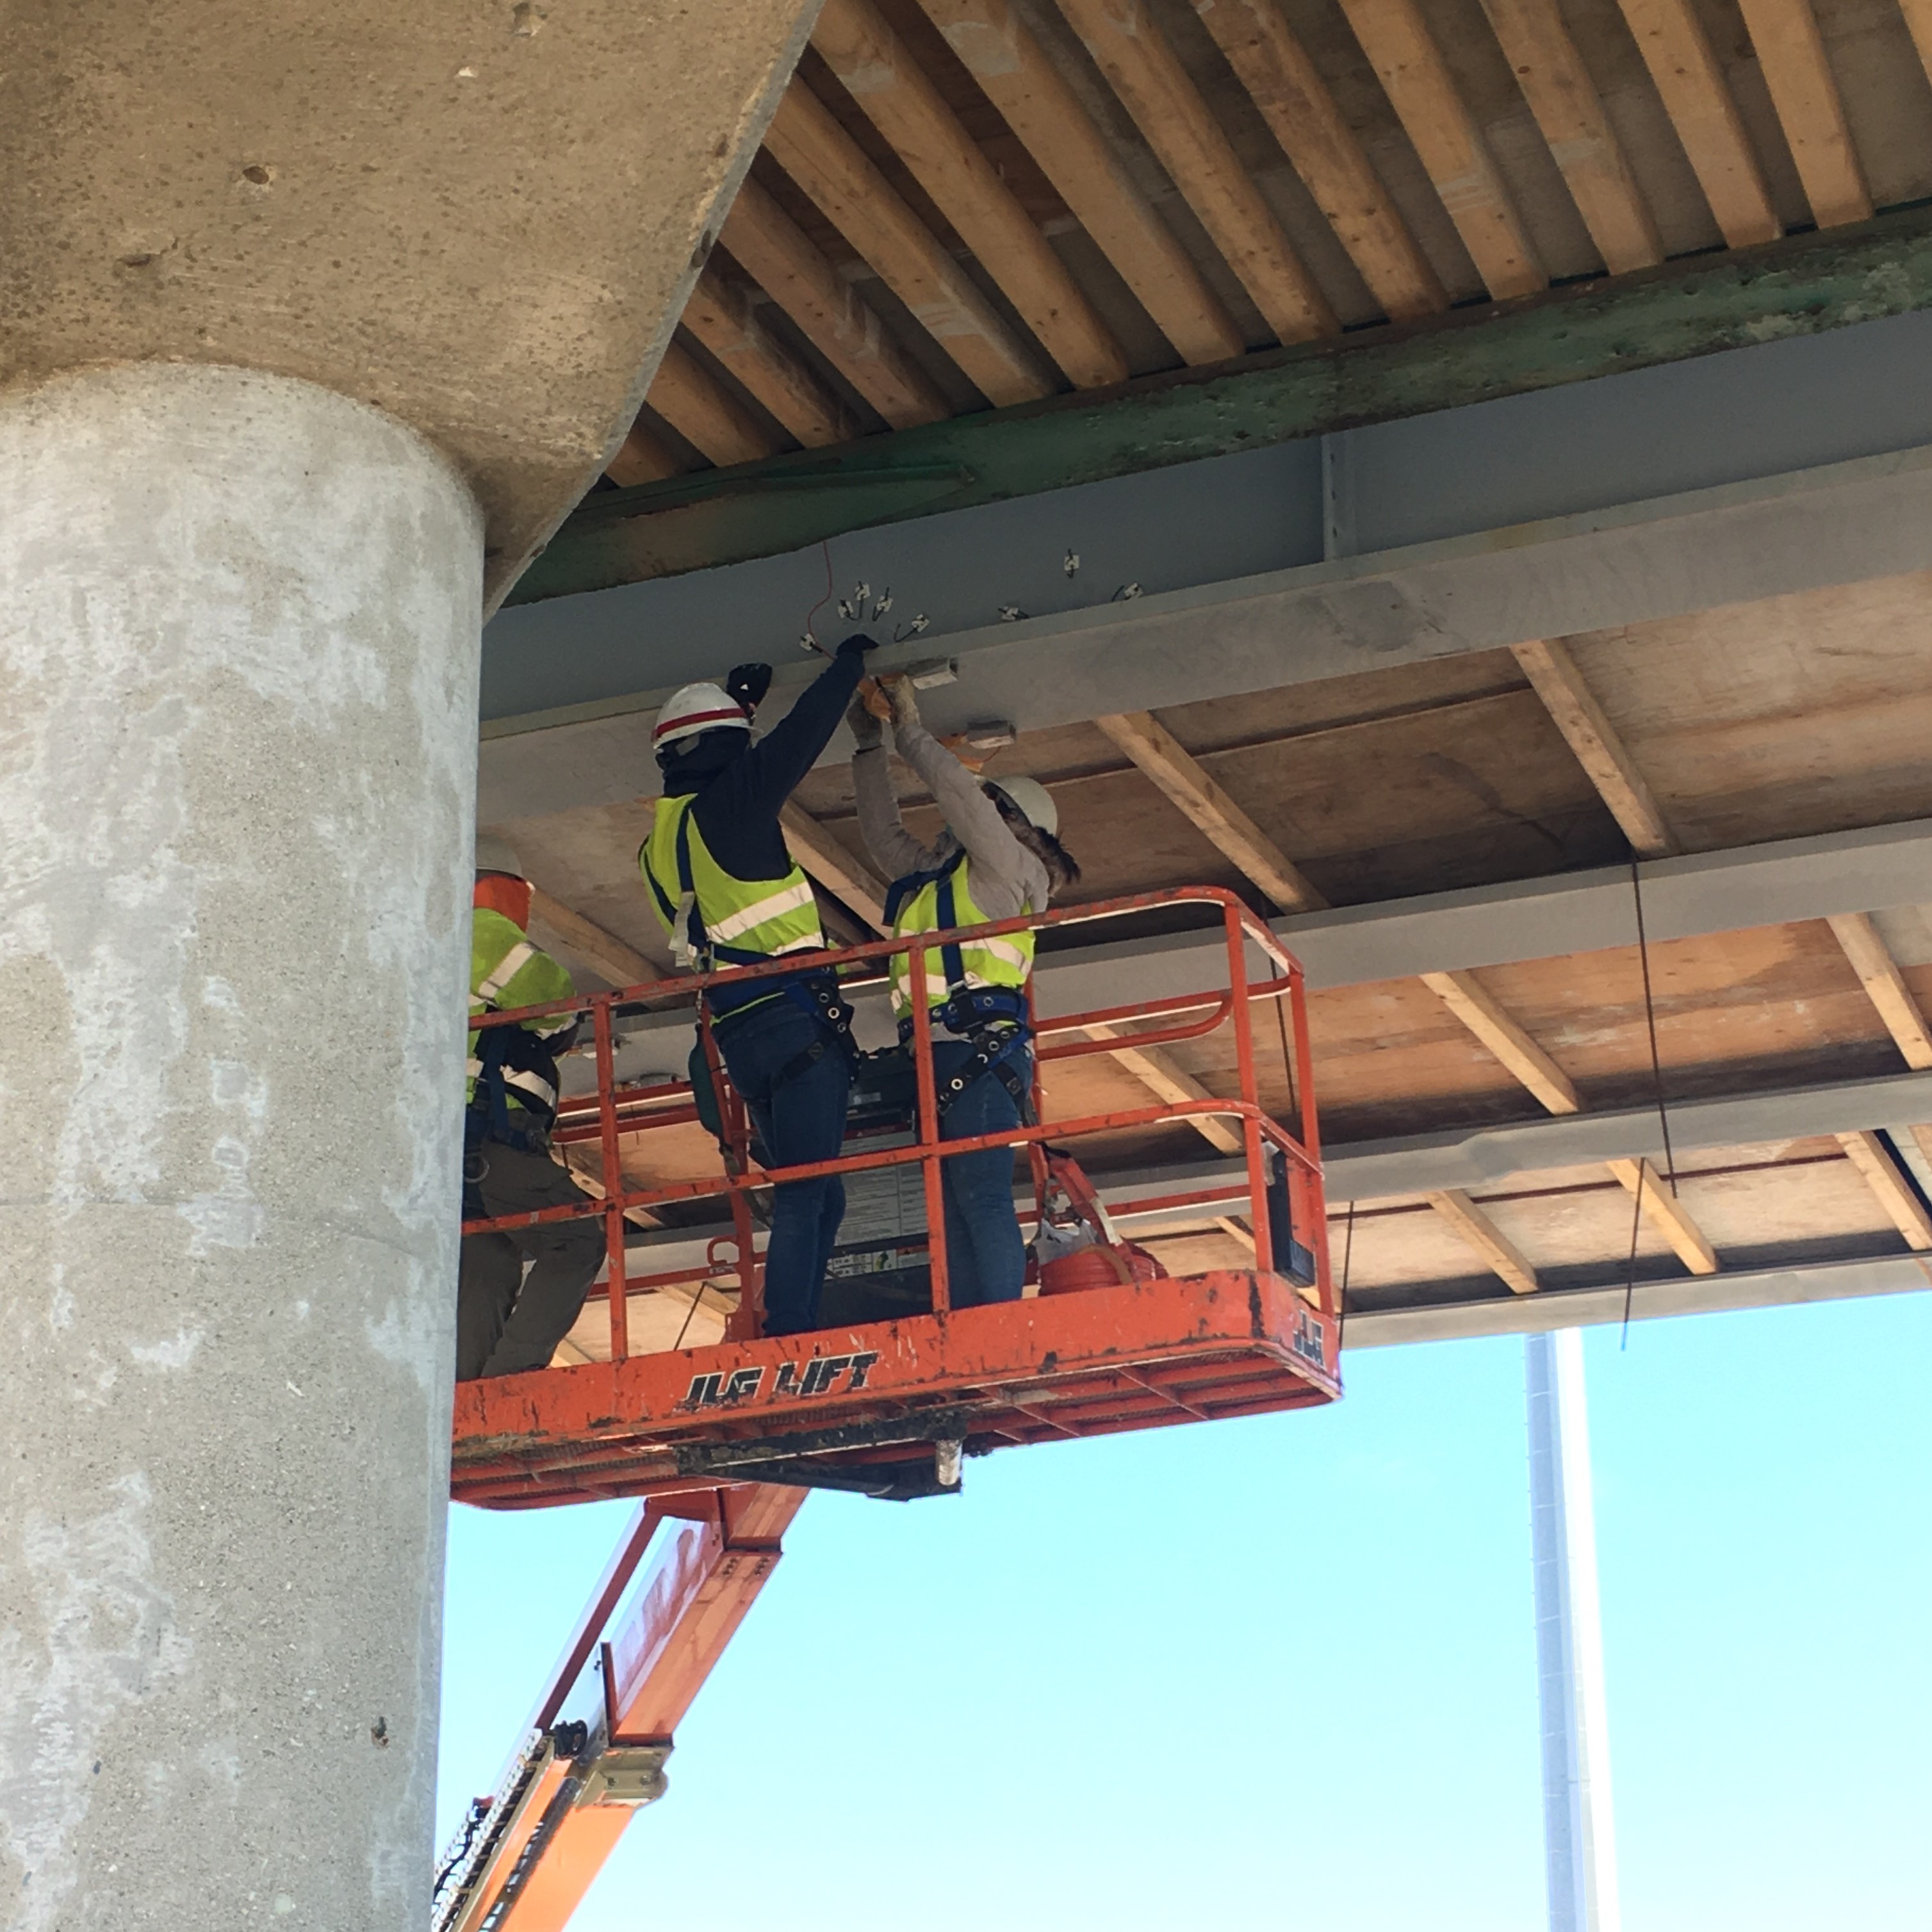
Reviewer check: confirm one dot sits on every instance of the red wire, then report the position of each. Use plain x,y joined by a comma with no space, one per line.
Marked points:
811,637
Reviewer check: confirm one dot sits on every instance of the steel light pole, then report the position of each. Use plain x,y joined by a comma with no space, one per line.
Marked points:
1578,1840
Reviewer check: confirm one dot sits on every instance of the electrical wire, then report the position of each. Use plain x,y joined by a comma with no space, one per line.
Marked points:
808,636
1342,1293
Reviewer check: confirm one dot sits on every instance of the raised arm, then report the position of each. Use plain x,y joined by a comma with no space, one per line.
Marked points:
1006,876
766,776
894,849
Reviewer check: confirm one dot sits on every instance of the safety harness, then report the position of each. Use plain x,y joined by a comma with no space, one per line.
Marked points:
992,1020
815,995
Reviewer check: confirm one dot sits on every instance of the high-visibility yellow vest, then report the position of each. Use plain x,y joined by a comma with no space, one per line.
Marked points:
507,970
716,919
937,904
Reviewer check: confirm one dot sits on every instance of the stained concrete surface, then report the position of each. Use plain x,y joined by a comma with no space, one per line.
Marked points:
238,622
483,216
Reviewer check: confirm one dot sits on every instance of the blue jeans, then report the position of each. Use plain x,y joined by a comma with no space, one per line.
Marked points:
985,1257
798,1119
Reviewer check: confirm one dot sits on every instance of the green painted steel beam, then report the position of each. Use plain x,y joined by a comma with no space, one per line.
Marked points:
1801,285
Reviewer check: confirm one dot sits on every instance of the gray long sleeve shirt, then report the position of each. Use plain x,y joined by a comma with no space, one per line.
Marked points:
1007,879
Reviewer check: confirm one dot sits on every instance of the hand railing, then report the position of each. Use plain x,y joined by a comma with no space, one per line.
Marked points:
614,1114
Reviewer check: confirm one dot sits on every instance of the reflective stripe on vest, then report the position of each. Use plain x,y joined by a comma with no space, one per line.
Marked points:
1006,960
740,921
506,969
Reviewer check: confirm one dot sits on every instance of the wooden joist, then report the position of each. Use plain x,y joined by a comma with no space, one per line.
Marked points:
788,265
1166,1079
1128,47
1178,773
1791,52
1471,1003
822,853
705,414
1919,18
900,100
805,139
1885,985
622,965
1553,674
1286,86
1570,113
1667,1214
643,456
720,315
1874,1159
1446,140
1034,99
1498,1251
1697,97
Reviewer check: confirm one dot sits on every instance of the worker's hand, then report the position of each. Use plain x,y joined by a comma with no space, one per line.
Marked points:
867,733
747,683
905,701
856,645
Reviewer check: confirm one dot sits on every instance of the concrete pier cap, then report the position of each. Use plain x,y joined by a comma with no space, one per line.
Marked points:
312,326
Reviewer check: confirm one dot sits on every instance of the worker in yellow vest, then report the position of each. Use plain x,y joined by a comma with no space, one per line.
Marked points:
999,857
504,1322
728,892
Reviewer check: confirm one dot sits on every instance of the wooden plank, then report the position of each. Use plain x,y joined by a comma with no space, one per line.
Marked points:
1465,997
643,456
1013,71
825,856
1697,97
1286,86
787,265
1553,674
1667,1214
1447,141
1482,1233
1128,47
1568,109
1885,985
1791,52
1873,1160
876,68
805,140
705,414
623,965
1163,756
1919,18
720,315
1166,1079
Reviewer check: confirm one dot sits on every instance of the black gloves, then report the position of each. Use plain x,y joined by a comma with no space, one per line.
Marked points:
857,644
747,684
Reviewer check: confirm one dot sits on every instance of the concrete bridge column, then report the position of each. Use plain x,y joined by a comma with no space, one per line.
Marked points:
315,326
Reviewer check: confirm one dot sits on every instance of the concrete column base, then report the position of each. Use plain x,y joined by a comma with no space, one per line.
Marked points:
239,640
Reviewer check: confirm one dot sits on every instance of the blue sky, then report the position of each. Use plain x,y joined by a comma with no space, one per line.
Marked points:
1280,1672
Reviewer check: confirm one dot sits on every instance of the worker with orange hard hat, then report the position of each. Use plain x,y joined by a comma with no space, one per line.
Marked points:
729,893
506,1321
999,857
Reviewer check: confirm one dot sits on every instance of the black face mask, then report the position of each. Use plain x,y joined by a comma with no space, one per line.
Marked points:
696,761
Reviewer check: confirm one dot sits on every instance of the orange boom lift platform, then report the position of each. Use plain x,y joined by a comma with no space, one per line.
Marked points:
722,1441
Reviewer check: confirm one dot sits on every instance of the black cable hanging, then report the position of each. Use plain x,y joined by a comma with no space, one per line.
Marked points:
1663,1111
1342,1293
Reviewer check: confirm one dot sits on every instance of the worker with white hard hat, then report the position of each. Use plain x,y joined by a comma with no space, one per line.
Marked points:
505,1321
728,891
1000,857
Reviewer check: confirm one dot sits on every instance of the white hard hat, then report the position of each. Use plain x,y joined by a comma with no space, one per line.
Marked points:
1031,799
696,708
495,853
